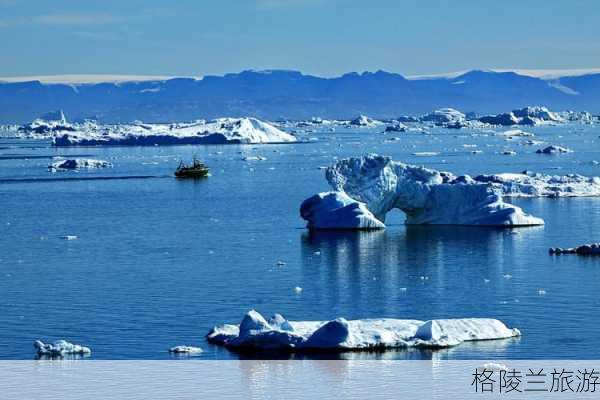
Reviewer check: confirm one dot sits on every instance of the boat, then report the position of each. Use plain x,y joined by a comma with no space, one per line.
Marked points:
196,170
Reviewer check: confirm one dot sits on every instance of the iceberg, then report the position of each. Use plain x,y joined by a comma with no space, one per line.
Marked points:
397,127
185,350
531,184
255,333
444,116
583,250
426,196
219,131
78,163
90,133
364,121
553,150
527,116
336,210
60,348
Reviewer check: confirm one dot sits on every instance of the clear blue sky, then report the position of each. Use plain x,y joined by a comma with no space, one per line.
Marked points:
323,37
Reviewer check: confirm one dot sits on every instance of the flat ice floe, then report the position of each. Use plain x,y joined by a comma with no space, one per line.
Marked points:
60,348
218,131
426,196
78,163
256,333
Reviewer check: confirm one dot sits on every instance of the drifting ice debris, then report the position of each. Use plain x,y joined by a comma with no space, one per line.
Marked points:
185,350
583,250
255,333
554,150
298,290
78,163
426,153
254,158
59,348
374,185
509,152
69,237
514,133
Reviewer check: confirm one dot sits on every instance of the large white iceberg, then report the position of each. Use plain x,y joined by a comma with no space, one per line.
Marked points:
526,116
219,131
256,333
426,196
90,133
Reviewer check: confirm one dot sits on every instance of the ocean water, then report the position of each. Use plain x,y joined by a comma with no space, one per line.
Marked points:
159,261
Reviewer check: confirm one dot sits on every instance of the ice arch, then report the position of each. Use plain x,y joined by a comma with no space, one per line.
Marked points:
372,185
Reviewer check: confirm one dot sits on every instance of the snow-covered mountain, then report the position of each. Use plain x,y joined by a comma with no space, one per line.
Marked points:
282,94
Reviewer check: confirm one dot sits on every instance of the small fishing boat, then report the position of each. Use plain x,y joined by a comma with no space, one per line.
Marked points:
196,170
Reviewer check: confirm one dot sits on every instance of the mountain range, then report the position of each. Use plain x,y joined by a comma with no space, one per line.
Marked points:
282,94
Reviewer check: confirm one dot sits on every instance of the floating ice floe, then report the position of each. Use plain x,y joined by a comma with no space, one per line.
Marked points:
185,350
60,348
78,163
374,185
583,250
554,150
530,184
255,333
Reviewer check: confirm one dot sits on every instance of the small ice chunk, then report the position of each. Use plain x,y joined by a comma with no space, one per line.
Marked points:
60,348
69,237
185,350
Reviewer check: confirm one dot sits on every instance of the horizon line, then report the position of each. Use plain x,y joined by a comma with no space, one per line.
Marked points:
541,73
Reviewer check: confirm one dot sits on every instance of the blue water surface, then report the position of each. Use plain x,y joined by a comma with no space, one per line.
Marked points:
159,261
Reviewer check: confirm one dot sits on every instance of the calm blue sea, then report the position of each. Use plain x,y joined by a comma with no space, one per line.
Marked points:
159,261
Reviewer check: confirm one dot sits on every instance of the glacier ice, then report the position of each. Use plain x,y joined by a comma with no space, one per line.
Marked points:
78,163
60,348
257,333
426,196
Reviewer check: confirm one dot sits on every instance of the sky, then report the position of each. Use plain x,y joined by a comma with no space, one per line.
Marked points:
320,37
